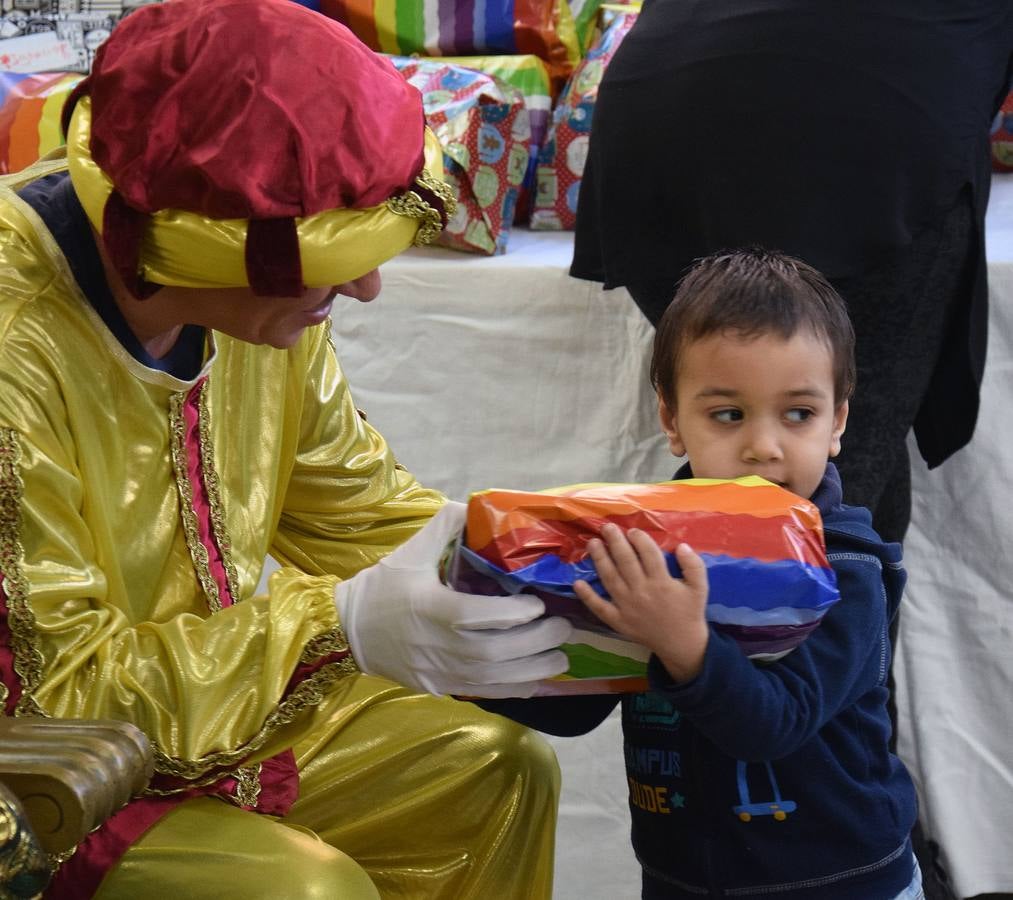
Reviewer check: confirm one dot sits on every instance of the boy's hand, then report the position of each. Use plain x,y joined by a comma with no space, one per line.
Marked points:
649,606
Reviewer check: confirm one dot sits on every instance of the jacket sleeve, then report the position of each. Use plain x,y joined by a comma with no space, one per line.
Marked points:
210,690
347,503
763,712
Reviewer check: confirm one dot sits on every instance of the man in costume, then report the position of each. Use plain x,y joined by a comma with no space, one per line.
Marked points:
172,412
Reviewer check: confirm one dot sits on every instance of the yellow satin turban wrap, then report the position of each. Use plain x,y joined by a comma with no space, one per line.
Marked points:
187,249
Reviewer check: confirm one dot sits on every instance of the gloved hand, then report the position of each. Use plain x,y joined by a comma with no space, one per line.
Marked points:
403,623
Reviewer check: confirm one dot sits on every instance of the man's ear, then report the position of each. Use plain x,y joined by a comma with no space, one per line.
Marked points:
840,421
670,428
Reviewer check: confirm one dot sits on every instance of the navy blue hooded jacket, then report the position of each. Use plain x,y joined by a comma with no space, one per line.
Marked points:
771,780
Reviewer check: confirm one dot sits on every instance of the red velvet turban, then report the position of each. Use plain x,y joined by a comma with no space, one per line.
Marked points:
260,110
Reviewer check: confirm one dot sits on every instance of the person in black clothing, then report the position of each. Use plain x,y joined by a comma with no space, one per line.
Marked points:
853,136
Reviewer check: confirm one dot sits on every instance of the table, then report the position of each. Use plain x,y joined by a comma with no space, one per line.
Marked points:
504,372
954,665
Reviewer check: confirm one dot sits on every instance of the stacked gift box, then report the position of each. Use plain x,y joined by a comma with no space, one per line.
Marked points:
508,88
564,151
493,77
1002,138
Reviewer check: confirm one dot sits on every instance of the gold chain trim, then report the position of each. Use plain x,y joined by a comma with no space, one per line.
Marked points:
198,552
329,331
412,204
28,660
189,786
211,485
58,859
442,190
307,693
247,791
333,641
247,785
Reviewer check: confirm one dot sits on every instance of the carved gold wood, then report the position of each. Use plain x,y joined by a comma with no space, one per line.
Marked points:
70,775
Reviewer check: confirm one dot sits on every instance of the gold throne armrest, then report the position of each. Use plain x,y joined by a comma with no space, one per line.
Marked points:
59,780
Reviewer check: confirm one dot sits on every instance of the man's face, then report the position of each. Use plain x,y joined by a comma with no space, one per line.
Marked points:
277,321
758,406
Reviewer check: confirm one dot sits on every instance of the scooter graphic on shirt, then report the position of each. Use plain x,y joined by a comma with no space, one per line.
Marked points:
746,809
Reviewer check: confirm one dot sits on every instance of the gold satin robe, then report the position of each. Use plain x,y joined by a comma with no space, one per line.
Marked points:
136,511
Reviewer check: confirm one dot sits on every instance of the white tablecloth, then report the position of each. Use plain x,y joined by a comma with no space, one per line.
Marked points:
504,372
954,667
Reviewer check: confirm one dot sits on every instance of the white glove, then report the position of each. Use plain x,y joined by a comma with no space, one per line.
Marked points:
403,623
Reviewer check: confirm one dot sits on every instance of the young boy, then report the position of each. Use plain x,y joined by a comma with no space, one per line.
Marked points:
750,780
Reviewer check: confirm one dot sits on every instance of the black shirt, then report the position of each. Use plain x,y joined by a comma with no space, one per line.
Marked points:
834,132
828,130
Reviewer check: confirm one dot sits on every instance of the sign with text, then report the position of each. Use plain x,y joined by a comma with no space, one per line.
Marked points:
42,52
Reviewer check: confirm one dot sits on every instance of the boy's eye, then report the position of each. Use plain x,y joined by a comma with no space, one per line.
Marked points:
727,415
798,415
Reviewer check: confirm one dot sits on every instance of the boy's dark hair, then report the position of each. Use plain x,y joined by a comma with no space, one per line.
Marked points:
753,292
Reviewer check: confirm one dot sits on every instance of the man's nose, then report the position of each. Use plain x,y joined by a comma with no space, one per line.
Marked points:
364,288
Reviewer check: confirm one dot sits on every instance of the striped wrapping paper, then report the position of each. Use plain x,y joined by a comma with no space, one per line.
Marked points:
30,108
770,582
542,28
585,19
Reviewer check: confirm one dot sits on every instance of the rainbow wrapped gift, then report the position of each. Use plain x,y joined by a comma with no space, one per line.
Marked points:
543,28
30,108
770,582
